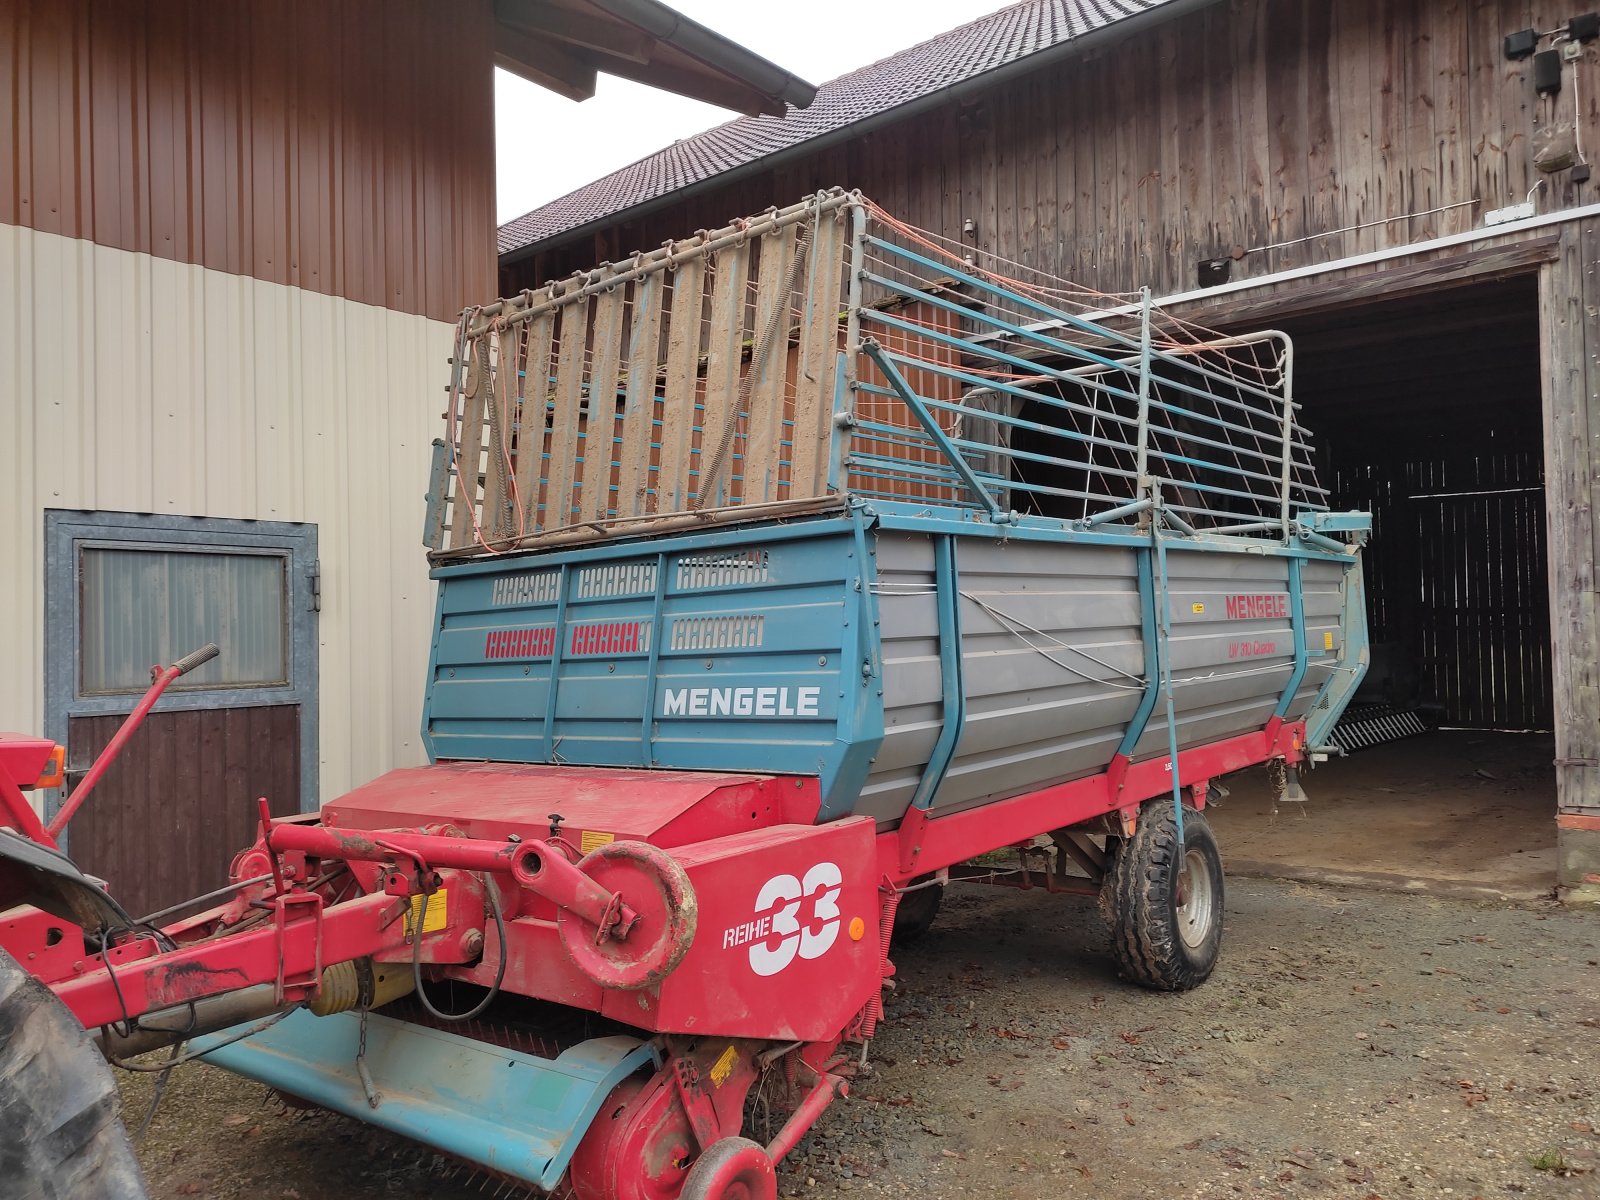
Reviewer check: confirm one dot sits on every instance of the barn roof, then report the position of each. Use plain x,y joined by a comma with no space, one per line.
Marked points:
987,44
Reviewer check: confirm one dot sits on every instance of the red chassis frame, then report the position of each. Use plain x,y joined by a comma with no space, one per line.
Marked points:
311,895
922,843
309,931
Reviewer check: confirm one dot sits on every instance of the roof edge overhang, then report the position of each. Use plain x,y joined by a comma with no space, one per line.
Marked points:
1094,39
704,45
563,48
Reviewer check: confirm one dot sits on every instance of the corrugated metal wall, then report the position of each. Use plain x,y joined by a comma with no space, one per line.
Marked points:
134,383
346,148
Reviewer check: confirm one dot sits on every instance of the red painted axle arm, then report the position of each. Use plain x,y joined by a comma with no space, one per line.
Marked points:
383,845
309,942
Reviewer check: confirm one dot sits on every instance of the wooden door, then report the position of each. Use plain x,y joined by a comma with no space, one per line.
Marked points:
127,592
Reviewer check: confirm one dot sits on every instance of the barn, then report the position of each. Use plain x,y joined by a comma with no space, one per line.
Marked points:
233,242
1399,184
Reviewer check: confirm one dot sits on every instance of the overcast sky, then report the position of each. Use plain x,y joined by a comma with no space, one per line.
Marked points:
547,146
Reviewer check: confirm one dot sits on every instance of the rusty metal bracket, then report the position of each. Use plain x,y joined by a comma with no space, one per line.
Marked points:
310,926
697,1105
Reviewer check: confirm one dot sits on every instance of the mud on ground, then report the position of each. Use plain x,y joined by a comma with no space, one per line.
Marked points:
1350,1044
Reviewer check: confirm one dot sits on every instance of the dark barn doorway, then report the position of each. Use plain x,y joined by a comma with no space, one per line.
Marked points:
1427,411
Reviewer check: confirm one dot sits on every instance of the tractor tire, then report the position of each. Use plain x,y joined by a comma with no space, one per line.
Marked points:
914,915
1164,902
63,1137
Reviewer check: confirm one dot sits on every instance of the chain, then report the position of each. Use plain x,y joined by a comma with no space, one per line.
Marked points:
1277,781
364,989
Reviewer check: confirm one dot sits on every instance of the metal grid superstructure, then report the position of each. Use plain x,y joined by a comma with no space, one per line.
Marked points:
823,351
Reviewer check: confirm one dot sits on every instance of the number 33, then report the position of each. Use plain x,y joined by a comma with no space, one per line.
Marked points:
785,893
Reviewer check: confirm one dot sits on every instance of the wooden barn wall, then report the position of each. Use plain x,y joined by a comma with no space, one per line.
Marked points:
1569,309
343,148
1457,593
1246,123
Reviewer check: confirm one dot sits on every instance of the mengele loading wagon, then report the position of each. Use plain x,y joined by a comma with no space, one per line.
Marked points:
782,570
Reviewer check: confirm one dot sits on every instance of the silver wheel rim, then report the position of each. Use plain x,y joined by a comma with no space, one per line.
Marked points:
1196,897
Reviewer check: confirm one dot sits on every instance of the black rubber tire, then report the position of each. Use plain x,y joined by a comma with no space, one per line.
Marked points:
914,915
1140,895
61,1135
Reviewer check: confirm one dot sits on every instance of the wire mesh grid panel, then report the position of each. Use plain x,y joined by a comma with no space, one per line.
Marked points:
689,382
989,385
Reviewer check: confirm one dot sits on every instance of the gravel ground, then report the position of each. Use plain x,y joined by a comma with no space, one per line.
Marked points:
1350,1044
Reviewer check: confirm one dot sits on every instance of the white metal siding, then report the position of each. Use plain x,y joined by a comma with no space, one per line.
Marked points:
137,384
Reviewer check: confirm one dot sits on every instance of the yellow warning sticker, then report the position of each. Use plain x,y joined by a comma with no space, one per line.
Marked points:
593,839
1197,609
438,912
723,1067
1327,640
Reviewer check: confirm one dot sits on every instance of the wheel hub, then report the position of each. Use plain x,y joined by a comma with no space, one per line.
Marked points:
1195,899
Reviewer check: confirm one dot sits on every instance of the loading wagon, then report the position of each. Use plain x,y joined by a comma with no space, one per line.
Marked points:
782,571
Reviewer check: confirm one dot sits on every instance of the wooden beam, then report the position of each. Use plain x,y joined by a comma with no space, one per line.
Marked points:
541,62
1381,281
683,81
1569,319
575,29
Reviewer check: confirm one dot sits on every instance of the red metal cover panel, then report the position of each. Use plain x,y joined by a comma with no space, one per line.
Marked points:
344,148
596,804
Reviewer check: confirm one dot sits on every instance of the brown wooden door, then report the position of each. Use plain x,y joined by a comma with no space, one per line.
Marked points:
127,592
163,824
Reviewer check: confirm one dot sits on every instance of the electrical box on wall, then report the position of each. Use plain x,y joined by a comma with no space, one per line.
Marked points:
1547,72
1585,28
1521,44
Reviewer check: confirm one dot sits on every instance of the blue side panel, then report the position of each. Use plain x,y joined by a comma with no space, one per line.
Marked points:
511,1112
741,650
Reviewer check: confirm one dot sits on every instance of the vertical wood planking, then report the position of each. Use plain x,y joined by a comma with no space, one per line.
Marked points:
599,448
469,450
1452,164
724,350
819,349
1569,301
678,401
639,412
1257,222
496,516
1352,161
769,385
567,416
532,417
162,826
1321,203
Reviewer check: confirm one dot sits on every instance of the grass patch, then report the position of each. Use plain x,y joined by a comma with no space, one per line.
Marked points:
1549,1160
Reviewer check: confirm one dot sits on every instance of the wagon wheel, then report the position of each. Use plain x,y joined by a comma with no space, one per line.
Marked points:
734,1168
1165,901
914,915
644,1145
